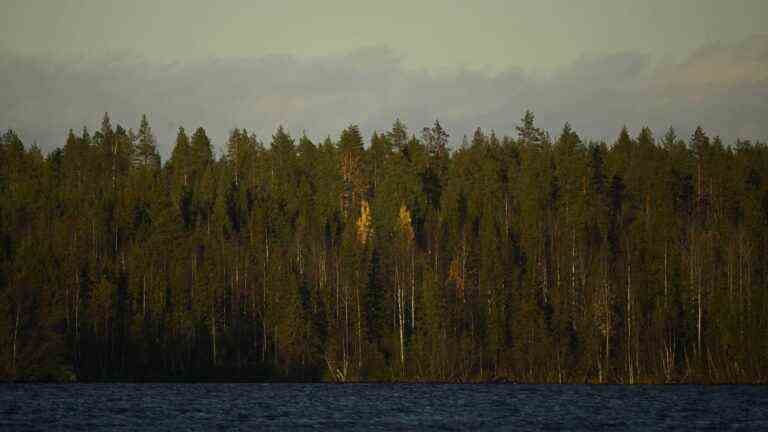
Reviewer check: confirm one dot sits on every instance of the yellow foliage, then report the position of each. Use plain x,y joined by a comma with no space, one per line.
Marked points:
364,223
406,223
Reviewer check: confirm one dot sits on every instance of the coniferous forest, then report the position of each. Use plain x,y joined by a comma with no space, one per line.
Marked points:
525,258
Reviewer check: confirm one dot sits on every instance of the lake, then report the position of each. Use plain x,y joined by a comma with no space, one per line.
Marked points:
380,407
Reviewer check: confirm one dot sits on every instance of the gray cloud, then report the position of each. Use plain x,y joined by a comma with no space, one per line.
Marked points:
723,87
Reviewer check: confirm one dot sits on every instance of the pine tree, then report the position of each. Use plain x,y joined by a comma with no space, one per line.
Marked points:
146,150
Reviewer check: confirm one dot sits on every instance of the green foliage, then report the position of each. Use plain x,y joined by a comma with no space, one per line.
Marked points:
509,258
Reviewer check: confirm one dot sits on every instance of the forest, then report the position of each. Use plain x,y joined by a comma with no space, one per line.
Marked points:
528,258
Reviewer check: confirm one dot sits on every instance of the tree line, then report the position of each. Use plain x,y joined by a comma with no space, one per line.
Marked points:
525,258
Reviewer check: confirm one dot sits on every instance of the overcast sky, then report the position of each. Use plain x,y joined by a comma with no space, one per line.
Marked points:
320,65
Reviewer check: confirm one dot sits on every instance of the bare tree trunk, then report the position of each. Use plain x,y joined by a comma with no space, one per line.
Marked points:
264,299
630,366
463,268
400,315
237,280
338,282
607,306
691,248
668,359
545,267
741,288
93,234
66,308
346,324
573,268
77,319
15,336
413,291
698,320
213,332
666,279
144,297
359,327
506,216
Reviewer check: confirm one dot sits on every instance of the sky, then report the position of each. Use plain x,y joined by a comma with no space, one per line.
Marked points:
321,65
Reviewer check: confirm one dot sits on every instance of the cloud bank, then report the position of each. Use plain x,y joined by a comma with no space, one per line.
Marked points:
722,87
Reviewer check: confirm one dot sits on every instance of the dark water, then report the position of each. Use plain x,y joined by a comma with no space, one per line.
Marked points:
380,407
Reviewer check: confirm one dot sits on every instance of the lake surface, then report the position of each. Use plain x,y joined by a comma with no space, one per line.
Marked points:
380,407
